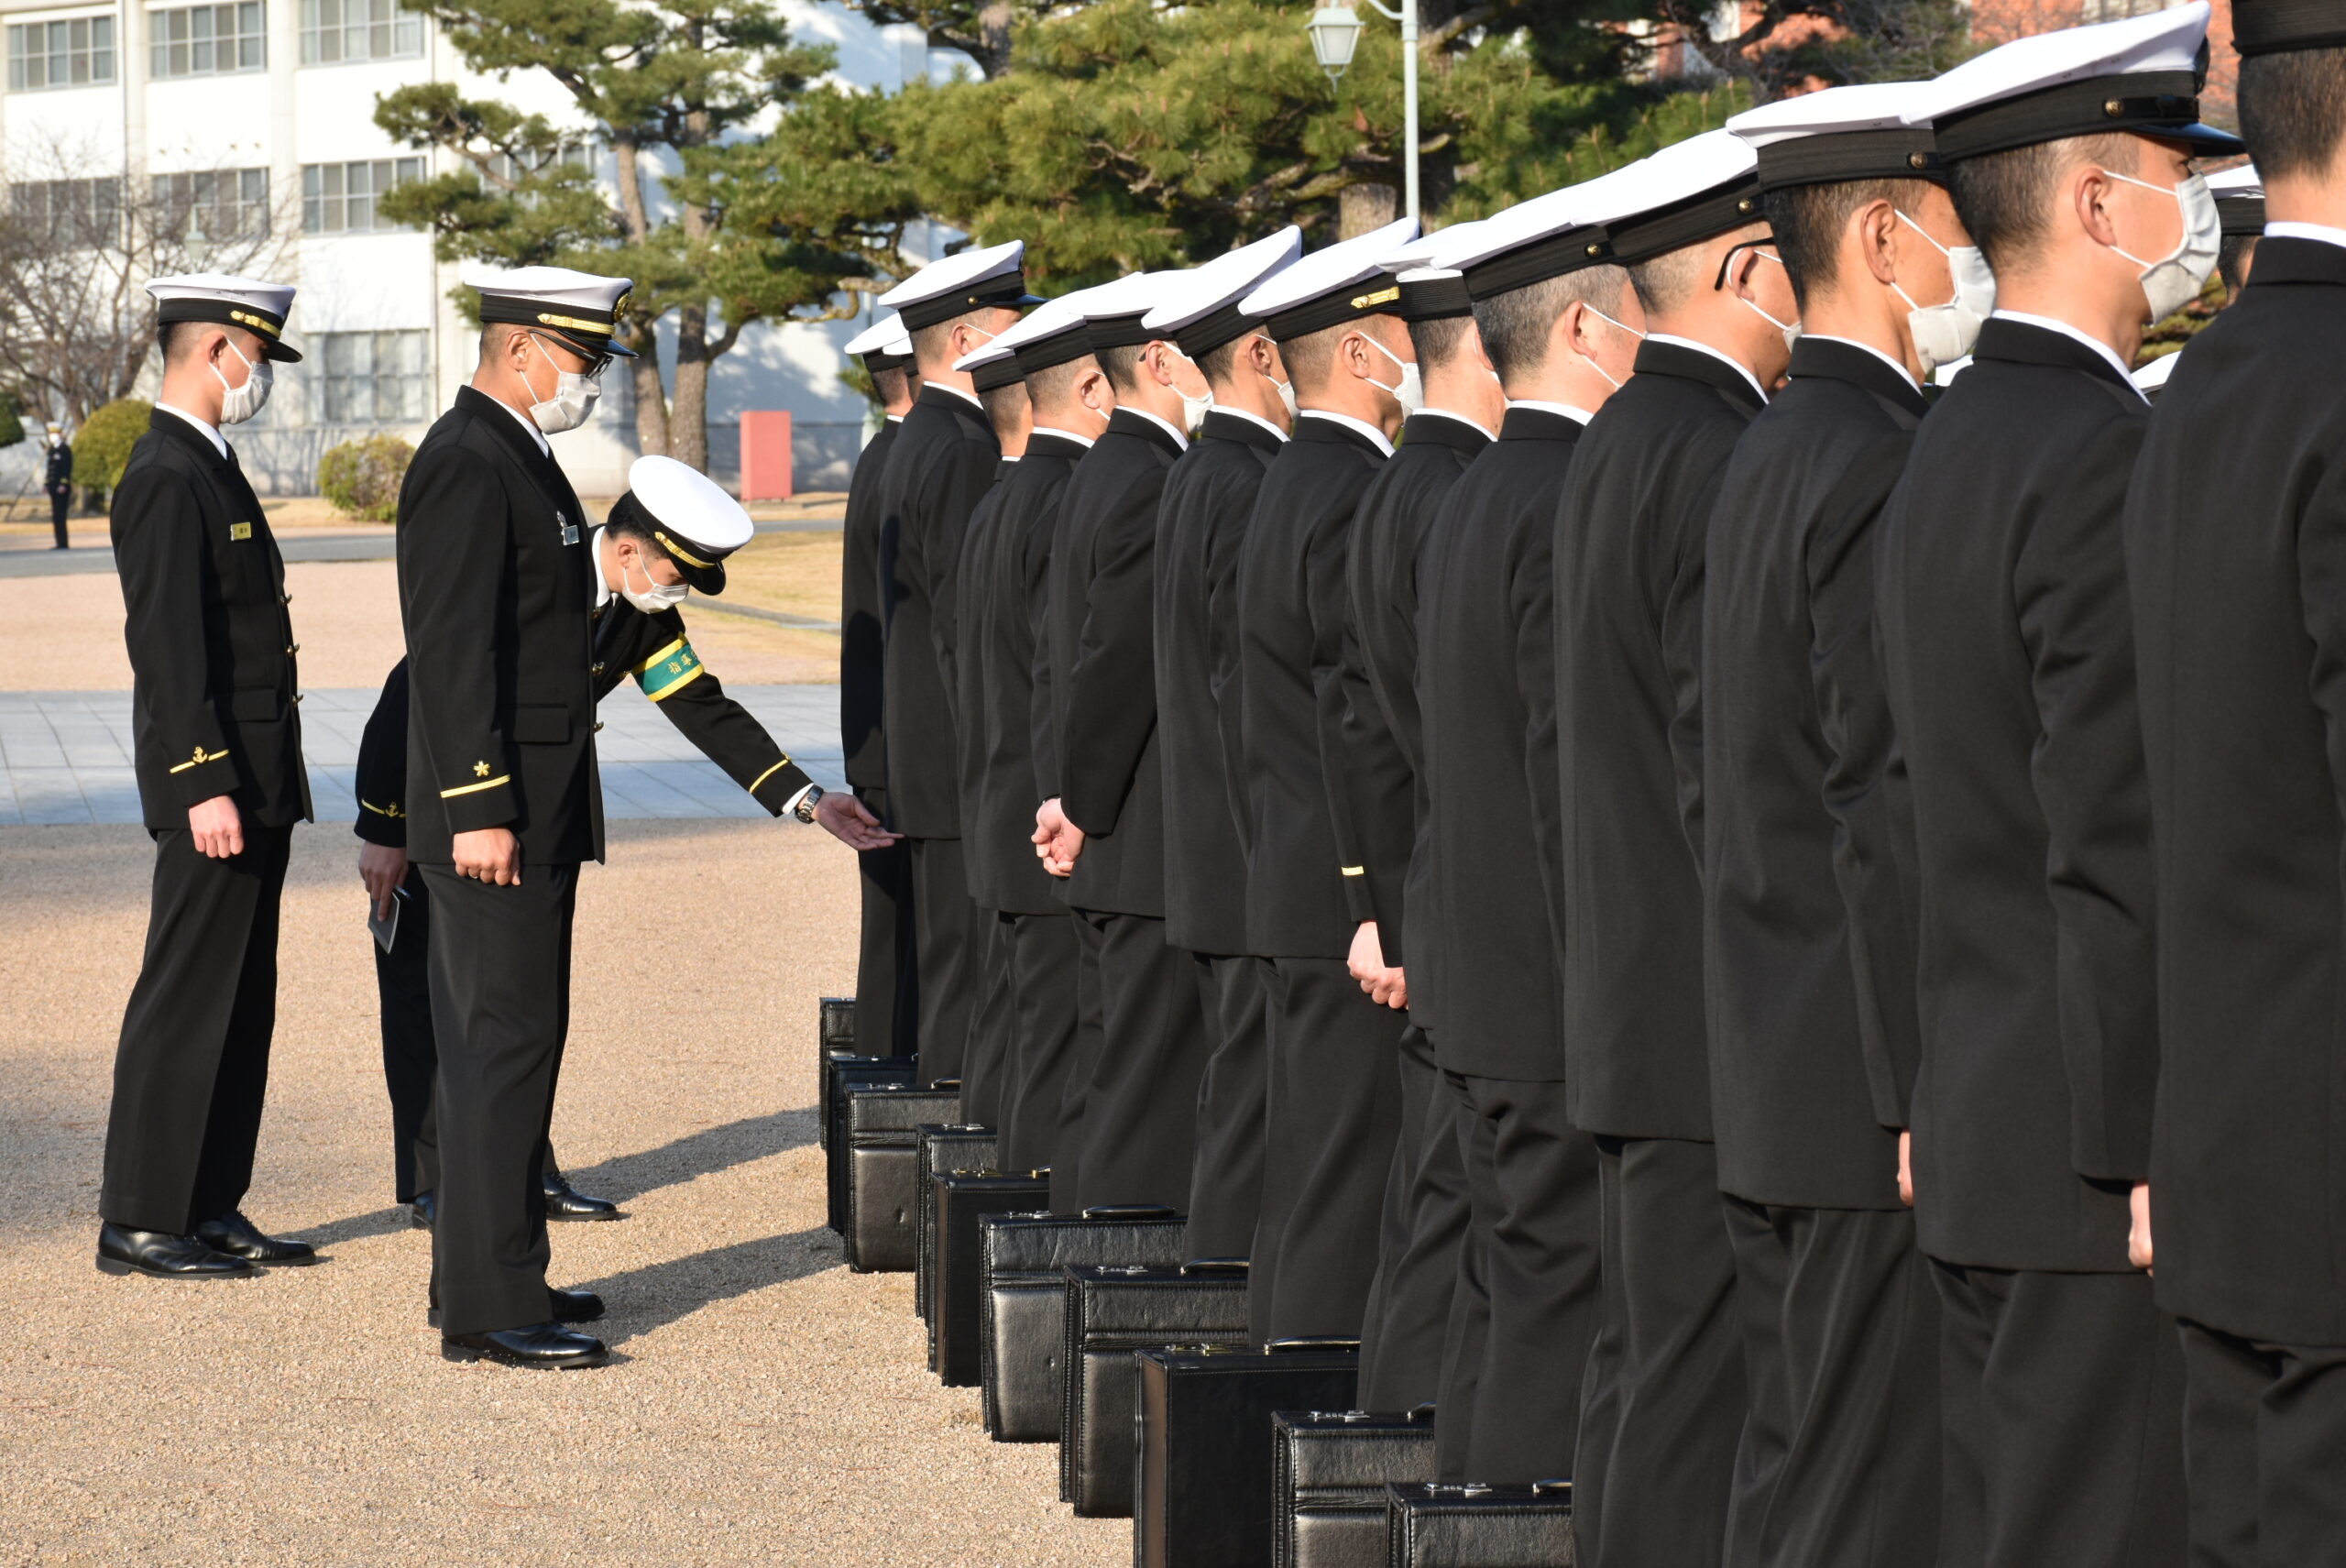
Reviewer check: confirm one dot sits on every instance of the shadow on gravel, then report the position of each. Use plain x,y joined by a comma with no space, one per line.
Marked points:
381,1222
644,1300
713,1149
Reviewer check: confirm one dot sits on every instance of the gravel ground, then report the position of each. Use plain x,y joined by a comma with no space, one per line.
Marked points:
764,1405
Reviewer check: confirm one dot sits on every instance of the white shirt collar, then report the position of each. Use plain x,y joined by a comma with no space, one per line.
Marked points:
1258,419
1349,423
968,398
1706,348
545,447
1577,415
1904,374
891,419
2054,324
2322,232
594,553
1162,423
211,433
1063,434
1462,419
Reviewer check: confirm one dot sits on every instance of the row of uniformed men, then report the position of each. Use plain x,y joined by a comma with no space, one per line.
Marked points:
477,783
1776,801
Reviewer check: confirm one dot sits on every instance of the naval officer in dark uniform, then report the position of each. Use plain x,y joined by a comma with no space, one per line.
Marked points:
1333,1109
1425,1206
1069,402
887,1007
218,755
56,479
1805,912
2009,653
943,462
1200,522
669,534
1105,832
2235,529
1663,1401
1558,323
503,800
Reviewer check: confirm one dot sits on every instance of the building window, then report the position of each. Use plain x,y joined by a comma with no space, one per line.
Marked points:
223,204
76,212
371,377
206,41
333,31
341,198
79,53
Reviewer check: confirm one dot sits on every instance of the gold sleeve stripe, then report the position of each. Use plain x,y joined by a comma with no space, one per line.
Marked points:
476,788
201,757
1353,870
391,810
655,658
767,775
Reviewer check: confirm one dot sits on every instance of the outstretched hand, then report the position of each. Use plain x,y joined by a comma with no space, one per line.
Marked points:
844,818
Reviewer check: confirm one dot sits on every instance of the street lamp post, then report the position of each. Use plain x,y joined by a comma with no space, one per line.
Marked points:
1335,29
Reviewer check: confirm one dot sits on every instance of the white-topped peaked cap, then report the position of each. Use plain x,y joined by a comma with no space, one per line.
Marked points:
1200,312
582,309
884,340
990,365
687,516
1528,243
2141,74
1341,283
1858,132
258,306
2275,27
1114,313
1052,332
964,281
1431,287
2239,200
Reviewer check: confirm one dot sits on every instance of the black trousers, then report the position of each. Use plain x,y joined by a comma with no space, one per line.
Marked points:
1075,1090
948,955
411,1050
986,1066
1332,1117
191,1068
2061,1408
60,503
887,969
500,1012
1534,1188
1426,1218
2263,1427
1044,957
1226,1181
1839,1464
1140,1112
1662,1403
1467,1343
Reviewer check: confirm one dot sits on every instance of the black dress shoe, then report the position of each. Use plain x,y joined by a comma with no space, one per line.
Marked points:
240,1238
567,1307
165,1256
544,1346
421,1210
564,1201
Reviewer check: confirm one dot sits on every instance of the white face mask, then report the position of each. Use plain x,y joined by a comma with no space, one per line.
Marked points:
1193,409
1412,393
2176,279
1945,334
238,404
1617,326
1789,329
655,597
1287,396
575,393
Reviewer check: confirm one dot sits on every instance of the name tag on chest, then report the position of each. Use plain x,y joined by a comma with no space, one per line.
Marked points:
240,530
569,529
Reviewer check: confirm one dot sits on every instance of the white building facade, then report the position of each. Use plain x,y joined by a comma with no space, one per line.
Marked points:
134,90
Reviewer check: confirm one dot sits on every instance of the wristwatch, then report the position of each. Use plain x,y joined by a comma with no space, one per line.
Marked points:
804,809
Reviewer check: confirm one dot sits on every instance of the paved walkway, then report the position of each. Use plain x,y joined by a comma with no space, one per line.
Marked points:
65,756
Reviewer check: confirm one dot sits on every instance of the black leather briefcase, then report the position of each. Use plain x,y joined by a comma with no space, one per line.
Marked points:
882,1152
1202,1492
1021,1302
1444,1526
944,1147
1111,1312
835,1024
841,1072
1329,1472
959,1201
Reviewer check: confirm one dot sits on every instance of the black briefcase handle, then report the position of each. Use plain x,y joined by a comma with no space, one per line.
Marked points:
1129,1211
954,1083
1215,1266
1281,1346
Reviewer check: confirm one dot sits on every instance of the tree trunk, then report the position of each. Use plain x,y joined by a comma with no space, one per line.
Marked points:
1362,209
993,29
688,418
651,397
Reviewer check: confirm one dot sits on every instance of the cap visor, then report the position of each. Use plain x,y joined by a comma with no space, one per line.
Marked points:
284,353
2204,140
618,350
707,580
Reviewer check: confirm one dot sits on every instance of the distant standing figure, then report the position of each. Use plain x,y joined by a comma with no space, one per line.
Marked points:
57,478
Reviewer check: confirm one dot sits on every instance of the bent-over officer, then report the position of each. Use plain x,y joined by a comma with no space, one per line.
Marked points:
218,755
673,527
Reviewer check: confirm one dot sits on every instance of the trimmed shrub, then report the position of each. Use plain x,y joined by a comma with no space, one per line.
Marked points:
102,446
362,477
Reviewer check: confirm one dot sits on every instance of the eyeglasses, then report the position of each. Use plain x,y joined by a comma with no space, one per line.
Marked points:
596,363
1728,259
